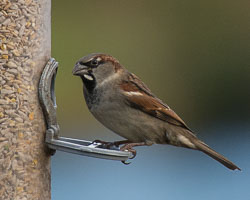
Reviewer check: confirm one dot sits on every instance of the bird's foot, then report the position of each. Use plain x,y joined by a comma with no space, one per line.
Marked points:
129,147
110,145
105,145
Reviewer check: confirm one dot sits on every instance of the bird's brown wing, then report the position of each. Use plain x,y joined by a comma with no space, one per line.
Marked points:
139,96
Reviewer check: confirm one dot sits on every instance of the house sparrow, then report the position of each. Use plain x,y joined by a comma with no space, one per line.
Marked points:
125,105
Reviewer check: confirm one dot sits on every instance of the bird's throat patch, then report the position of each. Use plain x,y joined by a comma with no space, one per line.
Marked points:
89,81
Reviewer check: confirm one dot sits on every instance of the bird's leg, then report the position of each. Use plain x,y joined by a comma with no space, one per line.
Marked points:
118,143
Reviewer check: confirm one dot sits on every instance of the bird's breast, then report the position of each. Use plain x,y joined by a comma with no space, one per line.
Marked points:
127,122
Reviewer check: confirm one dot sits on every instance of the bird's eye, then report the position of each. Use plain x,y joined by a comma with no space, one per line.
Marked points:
94,62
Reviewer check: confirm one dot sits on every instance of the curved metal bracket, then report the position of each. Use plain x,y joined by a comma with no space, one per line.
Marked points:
47,95
53,140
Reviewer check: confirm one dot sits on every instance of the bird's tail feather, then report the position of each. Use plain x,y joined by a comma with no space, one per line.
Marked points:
207,150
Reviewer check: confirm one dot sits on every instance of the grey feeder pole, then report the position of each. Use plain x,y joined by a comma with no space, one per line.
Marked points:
25,47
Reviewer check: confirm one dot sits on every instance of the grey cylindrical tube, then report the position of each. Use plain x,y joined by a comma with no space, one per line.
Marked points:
25,47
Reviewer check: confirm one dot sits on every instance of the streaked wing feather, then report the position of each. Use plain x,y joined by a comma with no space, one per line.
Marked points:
149,103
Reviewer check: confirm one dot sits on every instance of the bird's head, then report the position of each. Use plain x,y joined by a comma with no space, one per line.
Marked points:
95,69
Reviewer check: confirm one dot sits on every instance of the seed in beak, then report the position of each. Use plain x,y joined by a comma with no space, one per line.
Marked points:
88,77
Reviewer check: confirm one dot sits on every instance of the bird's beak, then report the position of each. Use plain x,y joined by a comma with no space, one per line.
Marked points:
79,70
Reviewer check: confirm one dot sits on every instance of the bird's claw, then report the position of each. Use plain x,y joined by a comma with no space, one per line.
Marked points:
128,147
115,146
125,162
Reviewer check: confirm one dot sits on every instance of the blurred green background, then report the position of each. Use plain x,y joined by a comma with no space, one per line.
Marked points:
194,55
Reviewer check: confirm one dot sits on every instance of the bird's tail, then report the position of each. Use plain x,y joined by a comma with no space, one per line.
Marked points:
207,150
